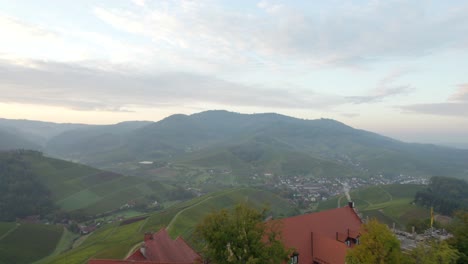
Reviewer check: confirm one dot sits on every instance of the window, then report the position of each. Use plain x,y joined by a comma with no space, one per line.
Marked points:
294,258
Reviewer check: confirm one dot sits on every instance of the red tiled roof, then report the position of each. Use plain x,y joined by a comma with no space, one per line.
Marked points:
159,248
137,256
316,235
323,246
116,261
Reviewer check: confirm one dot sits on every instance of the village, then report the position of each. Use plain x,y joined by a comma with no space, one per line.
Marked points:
307,192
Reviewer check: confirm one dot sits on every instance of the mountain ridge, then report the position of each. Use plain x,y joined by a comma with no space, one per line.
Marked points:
180,137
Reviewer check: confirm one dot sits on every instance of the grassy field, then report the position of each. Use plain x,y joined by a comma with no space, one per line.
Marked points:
65,243
388,203
115,241
29,243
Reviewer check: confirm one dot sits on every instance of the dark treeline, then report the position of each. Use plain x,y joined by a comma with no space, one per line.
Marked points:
21,192
445,194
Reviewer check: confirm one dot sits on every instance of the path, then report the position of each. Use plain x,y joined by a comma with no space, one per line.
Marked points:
9,231
339,201
178,213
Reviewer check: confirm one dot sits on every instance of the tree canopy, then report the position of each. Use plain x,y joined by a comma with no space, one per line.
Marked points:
21,193
241,236
432,252
377,245
459,229
445,194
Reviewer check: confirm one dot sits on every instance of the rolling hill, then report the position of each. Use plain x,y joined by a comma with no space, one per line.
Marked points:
70,186
38,132
242,143
260,142
115,240
10,139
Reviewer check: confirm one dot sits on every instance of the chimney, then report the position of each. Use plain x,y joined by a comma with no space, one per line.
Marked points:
312,243
351,204
148,236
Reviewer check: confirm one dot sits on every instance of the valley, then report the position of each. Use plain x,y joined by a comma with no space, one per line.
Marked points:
102,187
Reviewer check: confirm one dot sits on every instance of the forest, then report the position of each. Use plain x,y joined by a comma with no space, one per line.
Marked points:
446,195
21,193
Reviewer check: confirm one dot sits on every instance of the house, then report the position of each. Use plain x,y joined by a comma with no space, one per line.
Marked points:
158,248
323,237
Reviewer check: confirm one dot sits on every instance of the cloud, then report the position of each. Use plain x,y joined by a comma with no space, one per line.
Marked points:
385,88
83,88
350,115
341,35
461,95
456,105
444,109
139,2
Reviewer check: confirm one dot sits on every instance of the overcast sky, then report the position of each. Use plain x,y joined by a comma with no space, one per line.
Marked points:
399,68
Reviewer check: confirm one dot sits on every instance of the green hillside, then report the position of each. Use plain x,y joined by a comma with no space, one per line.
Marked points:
95,144
73,186
10,139
258,141
388,203
115,241
27,243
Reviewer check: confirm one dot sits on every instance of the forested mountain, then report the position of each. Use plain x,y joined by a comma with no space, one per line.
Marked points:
98,142
255,140
36,131
10,139
246,143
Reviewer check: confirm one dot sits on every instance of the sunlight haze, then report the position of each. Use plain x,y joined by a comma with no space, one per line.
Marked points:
397,68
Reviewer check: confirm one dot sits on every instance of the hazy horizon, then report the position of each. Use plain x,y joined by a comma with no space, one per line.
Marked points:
395,67
416,138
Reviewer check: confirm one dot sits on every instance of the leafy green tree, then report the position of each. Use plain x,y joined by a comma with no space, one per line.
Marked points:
432,252
459,229
241,236
377,245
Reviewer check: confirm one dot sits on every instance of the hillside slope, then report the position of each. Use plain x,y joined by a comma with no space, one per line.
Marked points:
73,186
114,241
179,138
10,139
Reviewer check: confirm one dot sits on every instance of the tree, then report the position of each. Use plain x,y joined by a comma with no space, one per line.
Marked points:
432,252
377,245
459,229
241,236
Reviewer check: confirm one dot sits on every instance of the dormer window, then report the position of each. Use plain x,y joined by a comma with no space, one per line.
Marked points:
348,242
294,258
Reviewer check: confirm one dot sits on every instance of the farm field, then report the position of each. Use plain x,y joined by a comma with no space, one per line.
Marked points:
28,243
116,240
388,203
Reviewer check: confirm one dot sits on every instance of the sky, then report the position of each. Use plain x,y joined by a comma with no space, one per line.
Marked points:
395,67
